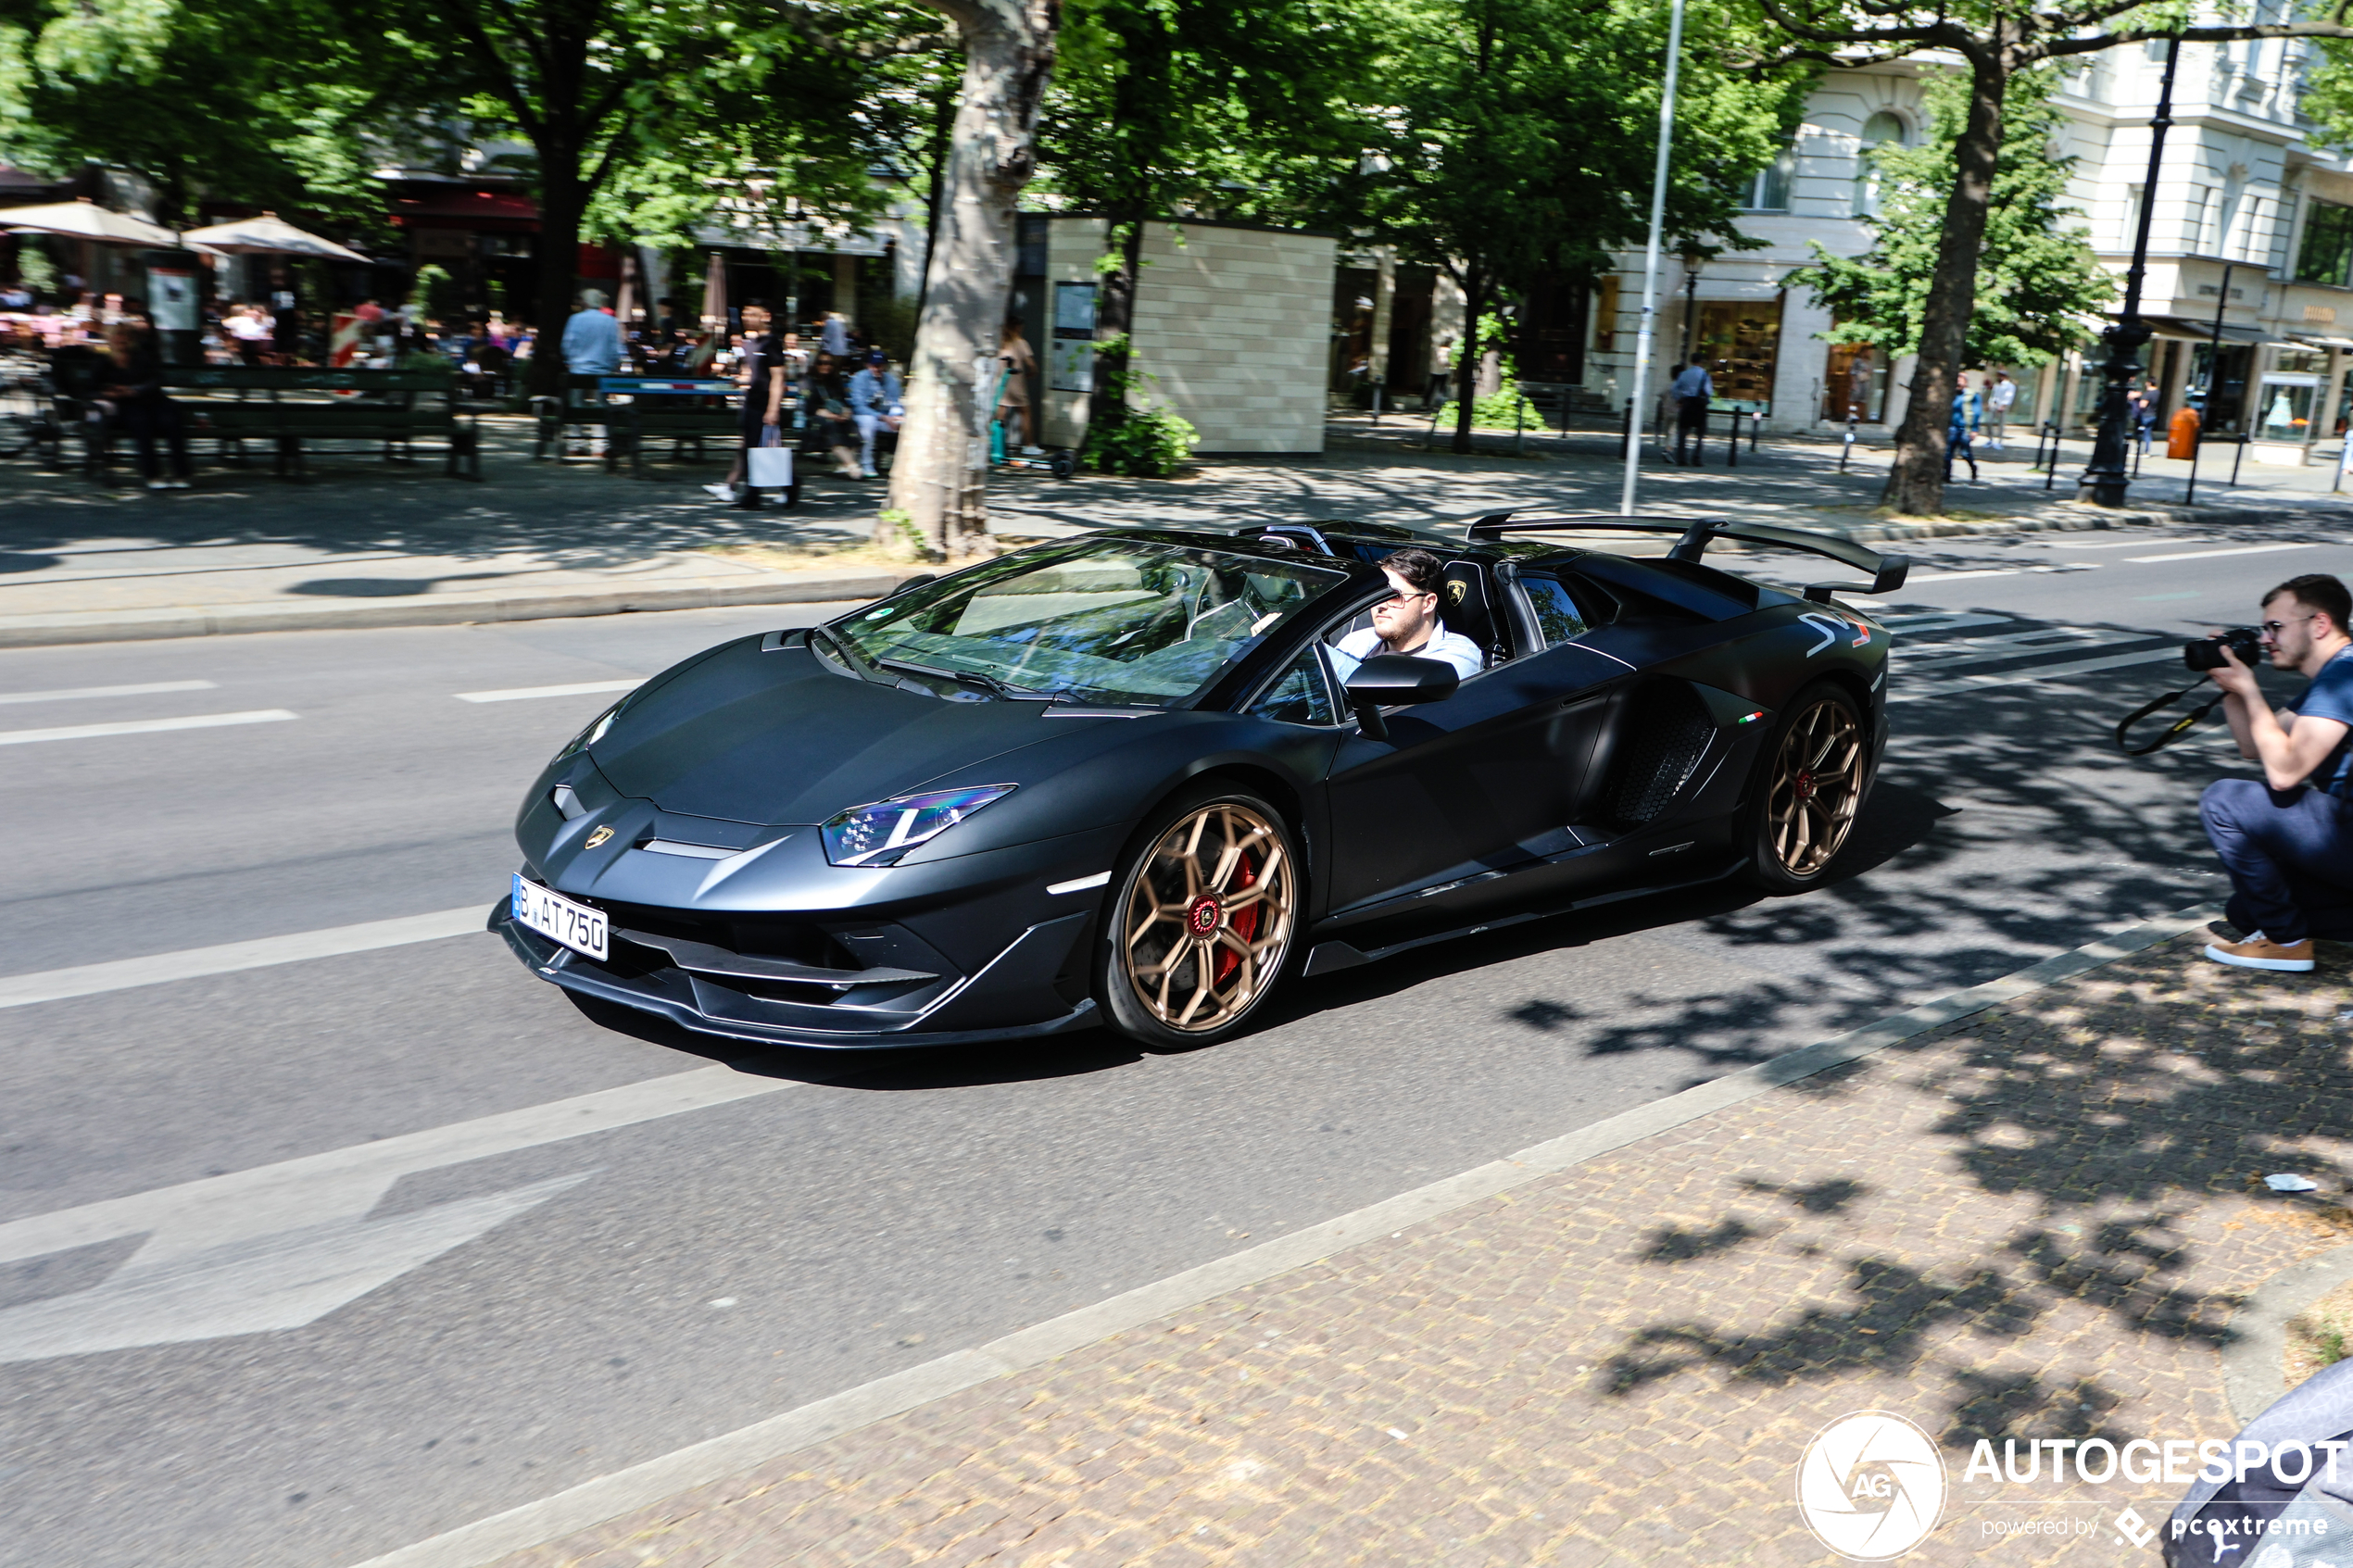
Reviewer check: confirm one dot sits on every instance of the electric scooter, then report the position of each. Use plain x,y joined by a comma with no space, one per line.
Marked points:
1062,462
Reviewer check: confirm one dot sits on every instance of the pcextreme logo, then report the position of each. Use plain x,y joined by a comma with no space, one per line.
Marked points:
1870,1485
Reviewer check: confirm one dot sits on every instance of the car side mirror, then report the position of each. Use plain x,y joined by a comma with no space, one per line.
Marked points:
1393,679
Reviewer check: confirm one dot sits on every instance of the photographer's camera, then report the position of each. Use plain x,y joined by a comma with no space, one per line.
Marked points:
2205,653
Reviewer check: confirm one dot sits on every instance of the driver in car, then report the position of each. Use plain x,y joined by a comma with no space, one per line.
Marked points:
1407,621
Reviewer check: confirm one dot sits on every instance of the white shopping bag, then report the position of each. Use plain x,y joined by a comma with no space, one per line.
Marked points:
769,466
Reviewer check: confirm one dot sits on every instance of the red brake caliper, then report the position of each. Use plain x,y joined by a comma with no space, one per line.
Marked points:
1245,925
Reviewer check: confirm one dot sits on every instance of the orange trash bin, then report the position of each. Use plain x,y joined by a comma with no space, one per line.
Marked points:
2180,433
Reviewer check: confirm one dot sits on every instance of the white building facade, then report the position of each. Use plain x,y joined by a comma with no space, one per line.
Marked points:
2243,190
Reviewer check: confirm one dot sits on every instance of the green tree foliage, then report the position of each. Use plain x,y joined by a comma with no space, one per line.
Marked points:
2040,288
1236,108
259,101
1513,140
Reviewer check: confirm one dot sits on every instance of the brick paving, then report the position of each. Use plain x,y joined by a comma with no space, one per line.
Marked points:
2036,1222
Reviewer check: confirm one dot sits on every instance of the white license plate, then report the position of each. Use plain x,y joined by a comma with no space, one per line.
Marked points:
577,926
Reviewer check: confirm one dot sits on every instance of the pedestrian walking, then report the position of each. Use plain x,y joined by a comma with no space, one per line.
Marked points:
2143,411
1015,360
760,371
1693,389
835,336
2000,398
1960,431
877,403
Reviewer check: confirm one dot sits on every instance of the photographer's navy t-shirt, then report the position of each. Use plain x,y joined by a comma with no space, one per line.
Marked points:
2331,696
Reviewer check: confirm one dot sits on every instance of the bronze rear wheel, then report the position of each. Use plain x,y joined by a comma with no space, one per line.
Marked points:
1814,776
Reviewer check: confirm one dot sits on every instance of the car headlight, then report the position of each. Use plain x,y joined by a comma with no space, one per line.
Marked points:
592,733
880,833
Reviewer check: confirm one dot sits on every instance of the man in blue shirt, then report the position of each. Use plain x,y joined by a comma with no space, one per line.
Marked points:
1693,389
877,403
2287,842
1407,621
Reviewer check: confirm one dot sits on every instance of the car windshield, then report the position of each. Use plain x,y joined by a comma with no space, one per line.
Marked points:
1107,620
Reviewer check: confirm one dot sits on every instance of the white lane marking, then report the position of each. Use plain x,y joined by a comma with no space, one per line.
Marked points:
2040,673
279,1246
121,975
75,693
146,726
578,688
2215,555
1079,884
1999,571
616,1493
2135,544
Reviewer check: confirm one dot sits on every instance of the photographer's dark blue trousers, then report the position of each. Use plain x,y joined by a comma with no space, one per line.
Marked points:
2290,856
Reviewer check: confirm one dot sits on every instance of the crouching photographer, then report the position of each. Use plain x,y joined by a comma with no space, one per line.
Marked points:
2286,841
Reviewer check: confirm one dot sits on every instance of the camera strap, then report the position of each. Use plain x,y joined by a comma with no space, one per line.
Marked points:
2181,726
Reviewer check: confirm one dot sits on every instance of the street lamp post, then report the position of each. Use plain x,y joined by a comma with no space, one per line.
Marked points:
2104,479
1650,260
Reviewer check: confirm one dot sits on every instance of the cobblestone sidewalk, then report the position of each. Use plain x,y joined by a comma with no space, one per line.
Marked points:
2036,1222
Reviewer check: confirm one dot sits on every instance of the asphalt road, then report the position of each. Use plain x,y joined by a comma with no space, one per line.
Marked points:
321,1365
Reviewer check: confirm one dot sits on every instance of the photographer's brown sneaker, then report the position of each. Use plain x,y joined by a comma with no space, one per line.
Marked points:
2259,951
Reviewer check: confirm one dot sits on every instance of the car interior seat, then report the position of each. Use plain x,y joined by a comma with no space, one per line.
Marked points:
1467,607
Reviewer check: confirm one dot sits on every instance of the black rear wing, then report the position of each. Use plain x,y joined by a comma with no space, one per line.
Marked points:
1698,533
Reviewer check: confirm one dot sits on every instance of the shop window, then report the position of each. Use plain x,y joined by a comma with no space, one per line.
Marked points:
1855,380
2286,410
1739,342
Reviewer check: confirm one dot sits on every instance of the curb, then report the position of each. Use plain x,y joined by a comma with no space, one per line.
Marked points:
641,1486
2252,1371
436,609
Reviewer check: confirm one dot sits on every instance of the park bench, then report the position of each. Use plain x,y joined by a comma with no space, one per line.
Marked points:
295,407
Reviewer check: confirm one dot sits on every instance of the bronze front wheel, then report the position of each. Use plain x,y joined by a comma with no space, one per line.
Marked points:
1202,922
1814,775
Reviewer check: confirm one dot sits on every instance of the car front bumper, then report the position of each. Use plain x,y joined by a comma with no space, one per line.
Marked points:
1034,985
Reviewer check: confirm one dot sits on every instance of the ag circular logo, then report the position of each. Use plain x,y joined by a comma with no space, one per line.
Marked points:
1871,1486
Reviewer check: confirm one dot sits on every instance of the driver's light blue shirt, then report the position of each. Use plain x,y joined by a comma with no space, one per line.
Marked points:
1452,647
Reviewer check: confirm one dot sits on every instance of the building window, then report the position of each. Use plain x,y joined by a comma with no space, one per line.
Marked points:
1880,129
1768,187
2327,256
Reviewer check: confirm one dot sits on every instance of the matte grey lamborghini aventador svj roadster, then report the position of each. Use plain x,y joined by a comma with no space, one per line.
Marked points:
1126,779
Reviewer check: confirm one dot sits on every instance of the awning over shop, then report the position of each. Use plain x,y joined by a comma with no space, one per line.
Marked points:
2308,340
2201,331
462,206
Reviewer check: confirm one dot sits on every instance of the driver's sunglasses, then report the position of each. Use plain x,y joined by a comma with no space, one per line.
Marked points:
1401,598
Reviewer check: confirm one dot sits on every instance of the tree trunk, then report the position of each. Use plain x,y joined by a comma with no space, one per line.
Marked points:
1115,331
1916,482
937,479
563,199
943,111
1468,358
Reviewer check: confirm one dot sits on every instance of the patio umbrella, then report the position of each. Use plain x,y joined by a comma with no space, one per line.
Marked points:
266,236
714,293
85,219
